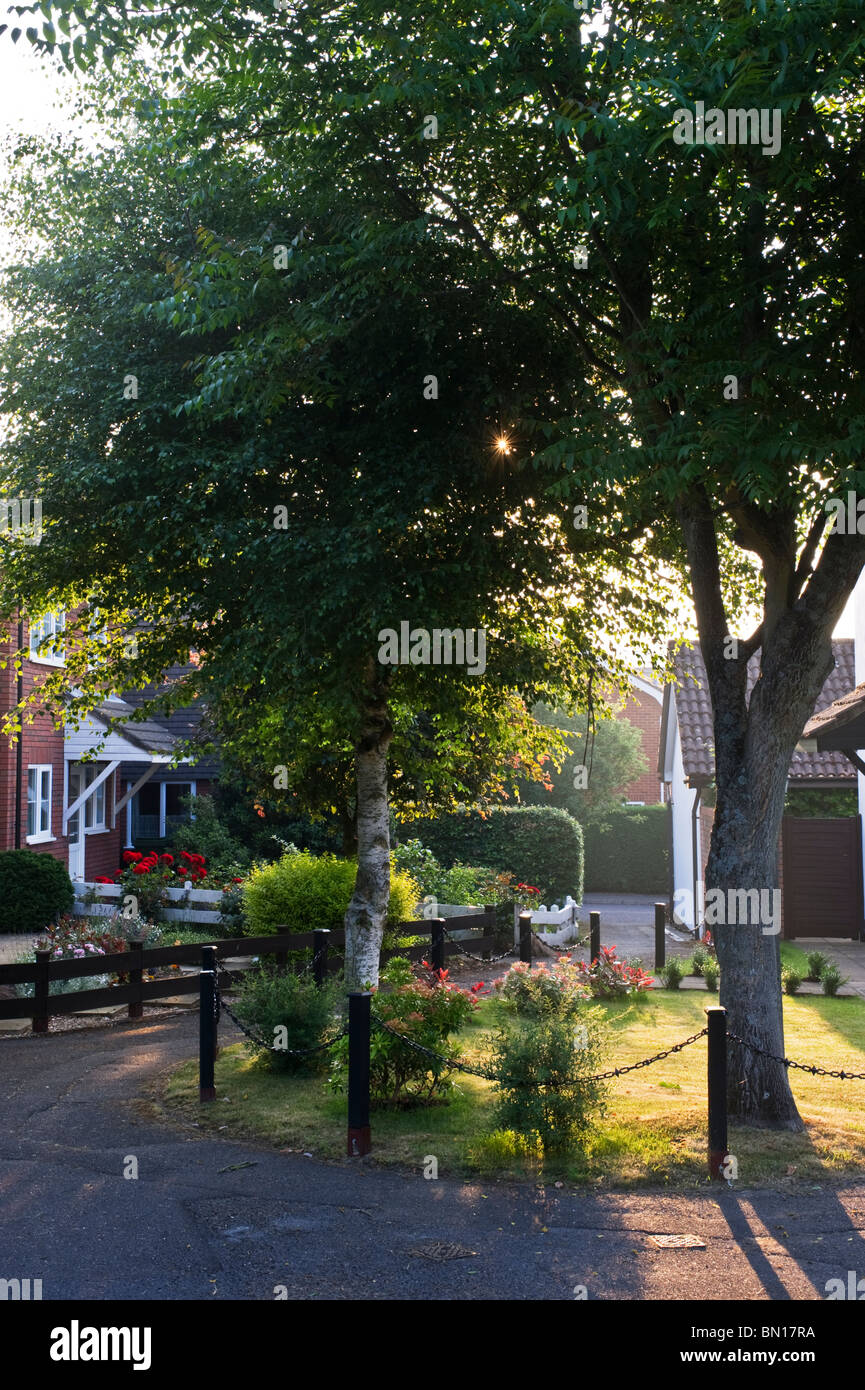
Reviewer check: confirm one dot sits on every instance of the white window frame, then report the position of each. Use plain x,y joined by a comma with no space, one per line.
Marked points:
50,625
94,803
41,802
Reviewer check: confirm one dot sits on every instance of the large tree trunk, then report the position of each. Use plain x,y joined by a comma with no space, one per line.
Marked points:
367,911
742,877
754,742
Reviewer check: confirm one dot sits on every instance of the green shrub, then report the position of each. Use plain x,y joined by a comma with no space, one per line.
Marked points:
673,973
543,989
543,1070
711,974
226,856
791,980
303,892
628,851
418,1004
34,890
289,1012
541,845
831,979
608,976
699,960
817,962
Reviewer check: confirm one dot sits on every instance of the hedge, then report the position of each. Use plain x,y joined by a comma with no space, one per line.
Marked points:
629,851
34,890
541,845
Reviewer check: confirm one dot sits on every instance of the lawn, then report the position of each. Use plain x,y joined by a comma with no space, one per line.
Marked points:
654,1130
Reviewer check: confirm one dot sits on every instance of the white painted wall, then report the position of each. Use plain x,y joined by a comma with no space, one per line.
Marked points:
683,807
858,601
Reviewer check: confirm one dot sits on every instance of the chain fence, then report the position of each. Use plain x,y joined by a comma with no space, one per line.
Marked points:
220,1003
800,1066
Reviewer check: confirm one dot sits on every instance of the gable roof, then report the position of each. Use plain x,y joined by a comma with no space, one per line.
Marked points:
694,709
181,724
842,722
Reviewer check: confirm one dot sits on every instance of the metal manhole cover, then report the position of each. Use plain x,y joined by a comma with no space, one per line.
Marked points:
677,1242
440,1251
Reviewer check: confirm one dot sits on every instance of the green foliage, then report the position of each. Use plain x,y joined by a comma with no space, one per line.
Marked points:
461,883
543,989
208,834
608,976
614,755
302,892
421,1005
544,1072
541,845
790,980
701,956
289,1012
820,802
34,890
673,973
628,851
711,974
817,962
831,979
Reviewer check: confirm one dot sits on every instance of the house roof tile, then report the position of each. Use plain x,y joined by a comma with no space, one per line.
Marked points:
695,714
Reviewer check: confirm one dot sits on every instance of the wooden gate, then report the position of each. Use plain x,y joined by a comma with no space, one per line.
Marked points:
822,876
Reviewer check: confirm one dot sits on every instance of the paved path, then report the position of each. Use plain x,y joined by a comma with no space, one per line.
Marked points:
71,1115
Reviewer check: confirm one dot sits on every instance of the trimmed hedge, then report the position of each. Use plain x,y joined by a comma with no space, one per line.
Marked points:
302,891
629,851
34,890
541,845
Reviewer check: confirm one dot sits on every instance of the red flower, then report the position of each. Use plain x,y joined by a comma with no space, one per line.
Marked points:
237,880
167,858
131,856
141,868
100,878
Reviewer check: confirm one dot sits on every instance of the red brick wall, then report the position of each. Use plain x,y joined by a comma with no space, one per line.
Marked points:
644,712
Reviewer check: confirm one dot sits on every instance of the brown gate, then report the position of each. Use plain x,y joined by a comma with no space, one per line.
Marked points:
822,876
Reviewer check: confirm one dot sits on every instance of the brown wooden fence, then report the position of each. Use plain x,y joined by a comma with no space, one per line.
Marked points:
137,961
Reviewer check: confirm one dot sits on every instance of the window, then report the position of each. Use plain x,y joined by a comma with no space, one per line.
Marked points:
94,806
49,630
39,803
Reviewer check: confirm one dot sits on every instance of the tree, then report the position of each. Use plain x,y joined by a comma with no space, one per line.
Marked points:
711,289
600,763
250,469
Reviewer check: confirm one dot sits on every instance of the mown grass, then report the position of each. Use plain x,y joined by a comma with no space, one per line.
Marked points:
654,1129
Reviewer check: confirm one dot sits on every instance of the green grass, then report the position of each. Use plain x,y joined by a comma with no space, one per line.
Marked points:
653,1131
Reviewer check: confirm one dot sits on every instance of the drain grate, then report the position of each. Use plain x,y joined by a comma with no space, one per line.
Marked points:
678,1242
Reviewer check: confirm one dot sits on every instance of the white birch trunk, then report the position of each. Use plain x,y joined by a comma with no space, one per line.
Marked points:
367,911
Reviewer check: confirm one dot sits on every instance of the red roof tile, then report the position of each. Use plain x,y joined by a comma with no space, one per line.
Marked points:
695,714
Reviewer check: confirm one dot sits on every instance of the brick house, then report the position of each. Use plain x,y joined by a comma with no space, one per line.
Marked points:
81,794
643,708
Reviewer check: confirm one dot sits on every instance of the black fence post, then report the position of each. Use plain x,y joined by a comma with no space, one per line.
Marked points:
320,938
490,926
359,1141
660,935
136,976
40,993
206,1035
717,1021
594,936
526,938
437,946
209,962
